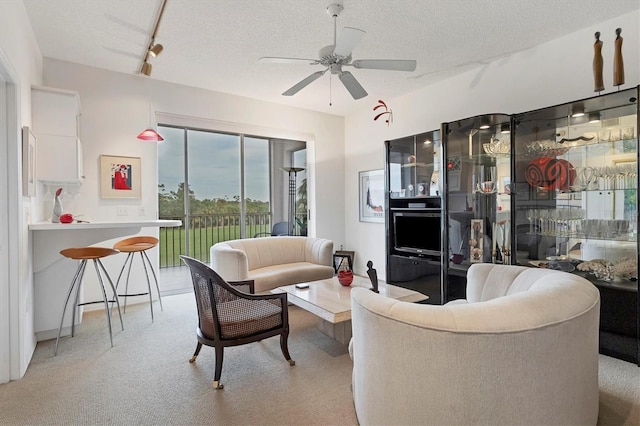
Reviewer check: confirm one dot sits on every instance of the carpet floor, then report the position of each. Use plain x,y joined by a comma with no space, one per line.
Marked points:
146,378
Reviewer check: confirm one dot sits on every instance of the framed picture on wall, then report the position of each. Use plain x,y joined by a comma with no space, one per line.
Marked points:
371,196
28,162
120,177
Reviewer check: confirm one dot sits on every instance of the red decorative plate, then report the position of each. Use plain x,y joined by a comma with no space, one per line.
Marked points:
550,173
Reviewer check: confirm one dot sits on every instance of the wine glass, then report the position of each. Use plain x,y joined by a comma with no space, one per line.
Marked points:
532,216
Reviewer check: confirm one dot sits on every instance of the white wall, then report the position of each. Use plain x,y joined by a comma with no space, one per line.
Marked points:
21,61
553,73
115,108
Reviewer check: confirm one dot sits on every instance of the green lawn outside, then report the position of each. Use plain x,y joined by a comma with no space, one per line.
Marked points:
172,241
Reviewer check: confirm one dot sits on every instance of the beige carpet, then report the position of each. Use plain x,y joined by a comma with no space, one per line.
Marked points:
146,377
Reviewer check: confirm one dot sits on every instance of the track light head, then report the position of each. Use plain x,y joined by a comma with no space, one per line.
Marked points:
146,69
594,117
155,49
577,110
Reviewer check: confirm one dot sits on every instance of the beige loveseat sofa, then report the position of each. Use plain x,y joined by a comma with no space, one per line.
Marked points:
522,349
273,261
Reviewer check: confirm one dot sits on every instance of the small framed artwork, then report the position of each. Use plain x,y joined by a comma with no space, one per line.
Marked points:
343,259
371,196
28,162
120,177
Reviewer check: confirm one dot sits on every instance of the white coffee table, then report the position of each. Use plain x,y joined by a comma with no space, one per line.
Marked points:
331,301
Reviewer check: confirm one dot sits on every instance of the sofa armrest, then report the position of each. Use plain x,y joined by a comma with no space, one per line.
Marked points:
319,251
231,264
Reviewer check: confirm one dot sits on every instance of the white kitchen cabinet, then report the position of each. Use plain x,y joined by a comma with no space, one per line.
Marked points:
56,118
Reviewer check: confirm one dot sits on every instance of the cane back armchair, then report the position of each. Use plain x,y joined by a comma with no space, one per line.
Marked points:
229,316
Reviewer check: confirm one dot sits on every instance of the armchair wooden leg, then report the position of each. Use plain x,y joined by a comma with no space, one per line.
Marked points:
285,348
218,373
195,354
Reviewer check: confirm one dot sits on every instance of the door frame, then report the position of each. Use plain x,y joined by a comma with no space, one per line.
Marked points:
11,227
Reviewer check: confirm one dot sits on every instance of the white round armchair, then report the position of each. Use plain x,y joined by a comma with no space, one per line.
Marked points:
522,349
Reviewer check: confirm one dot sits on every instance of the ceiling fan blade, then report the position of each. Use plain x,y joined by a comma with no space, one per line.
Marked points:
386,64
352,85
282,60
304,83
349,38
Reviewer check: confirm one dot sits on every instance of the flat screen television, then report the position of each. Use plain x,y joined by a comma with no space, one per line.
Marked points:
417,233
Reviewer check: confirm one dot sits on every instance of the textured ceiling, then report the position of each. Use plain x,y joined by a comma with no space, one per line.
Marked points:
216,44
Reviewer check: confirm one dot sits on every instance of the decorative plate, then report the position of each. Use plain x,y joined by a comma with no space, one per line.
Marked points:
550,173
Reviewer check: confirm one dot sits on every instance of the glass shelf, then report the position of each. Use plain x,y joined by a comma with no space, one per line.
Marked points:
579,195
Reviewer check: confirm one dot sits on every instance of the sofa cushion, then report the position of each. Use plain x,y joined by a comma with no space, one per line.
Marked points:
266,315
274,276
264,252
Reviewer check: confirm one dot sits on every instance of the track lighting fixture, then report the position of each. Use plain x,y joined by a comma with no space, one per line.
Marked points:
504,128
155,49
146,69
484,124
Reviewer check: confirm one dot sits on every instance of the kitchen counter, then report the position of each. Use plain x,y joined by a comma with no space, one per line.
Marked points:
53,272
48,226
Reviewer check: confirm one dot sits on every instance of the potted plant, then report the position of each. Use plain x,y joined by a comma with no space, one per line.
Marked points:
302,225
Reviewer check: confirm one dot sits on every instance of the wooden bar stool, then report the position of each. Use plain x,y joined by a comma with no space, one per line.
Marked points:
83,254
131,246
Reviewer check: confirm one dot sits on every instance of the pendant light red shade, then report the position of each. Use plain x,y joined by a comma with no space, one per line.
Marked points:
150,135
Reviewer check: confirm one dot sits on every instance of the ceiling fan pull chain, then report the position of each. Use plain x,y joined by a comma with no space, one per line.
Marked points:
330,93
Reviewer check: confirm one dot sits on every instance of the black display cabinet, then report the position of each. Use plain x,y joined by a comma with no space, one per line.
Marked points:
413,218
576,206
477,198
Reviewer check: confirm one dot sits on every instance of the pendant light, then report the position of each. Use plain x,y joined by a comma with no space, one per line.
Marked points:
154,49
149,134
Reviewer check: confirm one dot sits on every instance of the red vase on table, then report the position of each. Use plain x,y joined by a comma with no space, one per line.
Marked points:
345,278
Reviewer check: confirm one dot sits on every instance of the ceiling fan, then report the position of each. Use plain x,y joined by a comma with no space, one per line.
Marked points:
337,55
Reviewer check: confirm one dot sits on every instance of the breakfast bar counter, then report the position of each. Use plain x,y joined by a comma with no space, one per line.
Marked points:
53,273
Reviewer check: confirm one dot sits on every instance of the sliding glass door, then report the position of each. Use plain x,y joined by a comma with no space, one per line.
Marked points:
222,186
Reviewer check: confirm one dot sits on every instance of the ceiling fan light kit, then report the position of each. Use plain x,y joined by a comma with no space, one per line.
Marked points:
337,55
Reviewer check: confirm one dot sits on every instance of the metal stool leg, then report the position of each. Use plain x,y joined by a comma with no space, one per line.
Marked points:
104,298
120,276
155,278
66,302
76,305
146,273
115,296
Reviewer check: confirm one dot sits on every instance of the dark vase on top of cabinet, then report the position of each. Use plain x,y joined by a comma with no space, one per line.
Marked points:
413,218
575,203
477,197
